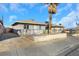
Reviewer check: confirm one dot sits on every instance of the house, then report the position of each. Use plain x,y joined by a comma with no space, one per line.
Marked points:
1,27
57,28
66,31
29,27
77,29
33,27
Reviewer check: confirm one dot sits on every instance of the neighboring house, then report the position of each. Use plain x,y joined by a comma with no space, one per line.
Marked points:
1,27
33,27
57,28
66,31
77,28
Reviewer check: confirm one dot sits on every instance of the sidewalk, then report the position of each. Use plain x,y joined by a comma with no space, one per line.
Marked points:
48,48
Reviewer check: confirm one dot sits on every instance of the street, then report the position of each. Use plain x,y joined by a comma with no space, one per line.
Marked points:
74,53
49,48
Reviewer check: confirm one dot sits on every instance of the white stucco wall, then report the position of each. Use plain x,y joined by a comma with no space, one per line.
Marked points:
75,35
33,29
49,37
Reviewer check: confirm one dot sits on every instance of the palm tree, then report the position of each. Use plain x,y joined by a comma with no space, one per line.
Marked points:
51,10
60,24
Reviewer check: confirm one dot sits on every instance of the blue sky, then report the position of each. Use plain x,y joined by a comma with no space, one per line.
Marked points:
67,13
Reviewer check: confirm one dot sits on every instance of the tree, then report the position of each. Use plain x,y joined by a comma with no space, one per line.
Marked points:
60,24
51,10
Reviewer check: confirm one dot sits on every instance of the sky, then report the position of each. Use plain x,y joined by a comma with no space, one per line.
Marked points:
67,13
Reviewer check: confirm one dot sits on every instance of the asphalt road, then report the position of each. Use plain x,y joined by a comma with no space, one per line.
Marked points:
74,53
71,51
42,49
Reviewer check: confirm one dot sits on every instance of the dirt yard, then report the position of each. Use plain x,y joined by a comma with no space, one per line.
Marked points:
15,42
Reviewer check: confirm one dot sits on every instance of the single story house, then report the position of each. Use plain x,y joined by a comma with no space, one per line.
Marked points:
57,28
33,27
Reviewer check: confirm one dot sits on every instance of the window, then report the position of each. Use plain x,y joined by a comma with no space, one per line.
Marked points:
40,27
43,27
36,27
31,27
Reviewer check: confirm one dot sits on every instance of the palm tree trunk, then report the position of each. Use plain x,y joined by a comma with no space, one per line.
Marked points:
50,23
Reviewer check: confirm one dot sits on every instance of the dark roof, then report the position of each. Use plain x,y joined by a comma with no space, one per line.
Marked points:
31,22
28,22
57,26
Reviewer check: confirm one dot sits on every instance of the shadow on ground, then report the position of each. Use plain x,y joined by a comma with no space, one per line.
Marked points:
7,36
